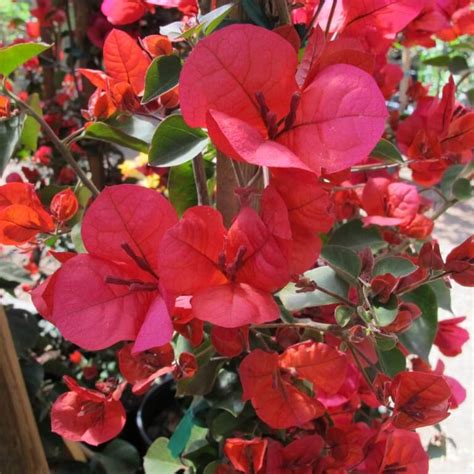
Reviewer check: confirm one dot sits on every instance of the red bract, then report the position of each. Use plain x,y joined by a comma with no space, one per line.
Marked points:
395,204
87,415
125,61
230,342
240,95
267,382
435,132
22,216
141,369
113,293
246,455
460,262
298,457
64,205
308,213
420,399
122,12
450,337
404,453
231,274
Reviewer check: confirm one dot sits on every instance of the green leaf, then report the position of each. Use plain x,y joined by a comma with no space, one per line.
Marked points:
344,261
470,96
211,468
141,128
385,342
175,143
392,361
202,382
396,266
31,128
213,19
386,313
207,23
182,188
14,56
255,13
419,338
158,459
118,457
106,133
356,237
162,75
458,64
325,277
343,315
443,294
387,151
438,61
462,189
10,131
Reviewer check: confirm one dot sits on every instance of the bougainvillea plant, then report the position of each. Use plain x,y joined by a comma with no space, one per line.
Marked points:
284,274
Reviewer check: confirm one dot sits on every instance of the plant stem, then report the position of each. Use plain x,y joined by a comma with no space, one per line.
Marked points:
239,177
283,12
313,21
200,180
309,324
336,296
406,66
362,370
60,146
331,15
444,208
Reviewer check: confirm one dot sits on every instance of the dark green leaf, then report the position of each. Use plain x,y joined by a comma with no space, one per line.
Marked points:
10,132
419,338
14,56
387,151
202,382
458,64
386,312
344,261
392,361
356,237
106,133
211,468
181,187
162,76
118,457
158,459
175,143
438,61
462,189
31,128
324,277
255,13
396,266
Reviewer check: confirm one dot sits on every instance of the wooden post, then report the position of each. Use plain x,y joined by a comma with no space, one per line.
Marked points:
21,451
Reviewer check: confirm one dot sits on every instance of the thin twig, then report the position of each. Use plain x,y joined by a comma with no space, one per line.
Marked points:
331,15
61,147
283,12
313,21
200,180
239,177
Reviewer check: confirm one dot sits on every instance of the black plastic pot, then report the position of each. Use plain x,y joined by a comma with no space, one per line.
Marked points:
159,412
